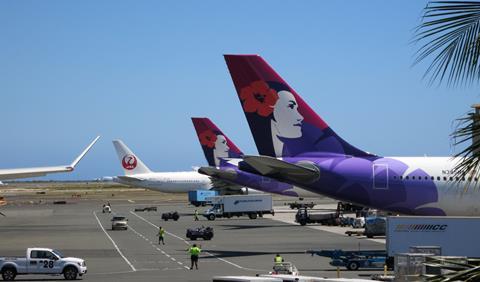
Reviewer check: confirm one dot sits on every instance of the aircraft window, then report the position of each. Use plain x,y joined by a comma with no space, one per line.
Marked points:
456,178
413,177
401,177
476,179
426,177
438,177
469,179
463,178
406,177
432,178
394,177
451,178
444,178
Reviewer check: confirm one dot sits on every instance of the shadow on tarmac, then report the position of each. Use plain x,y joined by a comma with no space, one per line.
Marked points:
239,226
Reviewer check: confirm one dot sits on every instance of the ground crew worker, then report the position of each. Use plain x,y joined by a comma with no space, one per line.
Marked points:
194,253
161,235
278,259
195,215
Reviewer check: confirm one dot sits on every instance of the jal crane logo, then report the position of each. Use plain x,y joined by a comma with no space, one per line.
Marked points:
129,162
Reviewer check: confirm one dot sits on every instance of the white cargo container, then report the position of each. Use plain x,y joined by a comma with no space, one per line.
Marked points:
456,236
239,205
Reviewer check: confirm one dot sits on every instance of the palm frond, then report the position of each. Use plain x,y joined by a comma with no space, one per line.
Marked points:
450,34
467,131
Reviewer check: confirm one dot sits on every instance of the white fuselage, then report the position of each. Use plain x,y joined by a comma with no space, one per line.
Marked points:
168,182
456,197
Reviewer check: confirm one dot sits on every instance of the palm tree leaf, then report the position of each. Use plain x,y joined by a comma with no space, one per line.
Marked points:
468,167
450,34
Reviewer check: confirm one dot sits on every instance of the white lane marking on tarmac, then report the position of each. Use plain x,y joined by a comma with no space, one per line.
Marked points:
208,253
131,201
153,246
156,226
114,244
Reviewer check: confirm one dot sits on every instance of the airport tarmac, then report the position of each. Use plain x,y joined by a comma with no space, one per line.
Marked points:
239,247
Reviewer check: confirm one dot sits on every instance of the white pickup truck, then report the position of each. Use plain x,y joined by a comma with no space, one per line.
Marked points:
42,261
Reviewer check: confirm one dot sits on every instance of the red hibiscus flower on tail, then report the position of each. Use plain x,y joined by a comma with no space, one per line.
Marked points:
208,138
258,97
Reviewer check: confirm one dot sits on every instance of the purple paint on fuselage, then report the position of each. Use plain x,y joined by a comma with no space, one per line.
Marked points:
351,179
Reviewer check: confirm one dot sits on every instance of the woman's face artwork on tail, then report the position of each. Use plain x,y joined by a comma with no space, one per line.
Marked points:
281,108
221,149
287,121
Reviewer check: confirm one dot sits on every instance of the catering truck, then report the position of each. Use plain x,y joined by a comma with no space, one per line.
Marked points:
240,205
455,236
42,261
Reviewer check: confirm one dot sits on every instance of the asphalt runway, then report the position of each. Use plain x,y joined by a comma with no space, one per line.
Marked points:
239,247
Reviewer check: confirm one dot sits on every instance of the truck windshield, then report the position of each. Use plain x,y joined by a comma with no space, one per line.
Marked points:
58,253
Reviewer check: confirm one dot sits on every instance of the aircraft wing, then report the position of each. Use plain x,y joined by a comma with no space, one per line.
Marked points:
220,178
129,178
15,173
281,170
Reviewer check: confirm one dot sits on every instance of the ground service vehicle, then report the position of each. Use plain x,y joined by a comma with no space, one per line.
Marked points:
303,217
42,261
201,232
298,205
456,236
353,260
106,209
240,205
375,226
201,197
170,215
119,222
285,268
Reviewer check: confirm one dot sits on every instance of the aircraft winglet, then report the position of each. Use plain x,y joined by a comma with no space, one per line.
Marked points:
75,162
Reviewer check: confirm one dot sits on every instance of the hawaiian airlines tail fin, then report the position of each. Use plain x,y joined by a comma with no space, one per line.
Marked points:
131,164
214,143
282,124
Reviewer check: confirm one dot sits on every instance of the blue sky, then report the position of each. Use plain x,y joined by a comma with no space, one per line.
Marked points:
138,70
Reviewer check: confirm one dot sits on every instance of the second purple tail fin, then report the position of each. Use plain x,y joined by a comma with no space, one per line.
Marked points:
282,124
215,144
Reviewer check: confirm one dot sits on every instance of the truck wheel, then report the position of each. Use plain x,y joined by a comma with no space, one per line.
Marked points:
353,265
8,274
211,216
252,216
303,222
70,273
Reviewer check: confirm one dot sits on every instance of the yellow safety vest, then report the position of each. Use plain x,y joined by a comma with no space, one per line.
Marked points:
161,232
194,251
278,259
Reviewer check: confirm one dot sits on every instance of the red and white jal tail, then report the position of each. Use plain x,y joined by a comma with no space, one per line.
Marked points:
130,163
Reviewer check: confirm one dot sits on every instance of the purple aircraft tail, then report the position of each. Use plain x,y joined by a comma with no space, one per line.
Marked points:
214,143
282,124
